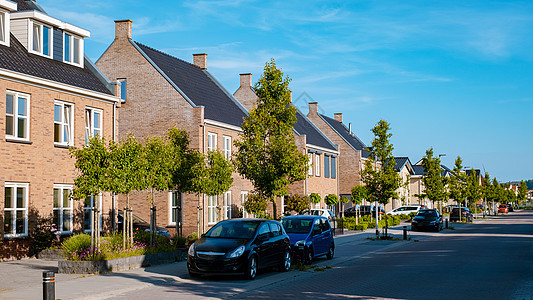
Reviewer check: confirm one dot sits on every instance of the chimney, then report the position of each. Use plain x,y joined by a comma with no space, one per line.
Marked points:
246,80
338,117
200,60
123,29
350,127
313,108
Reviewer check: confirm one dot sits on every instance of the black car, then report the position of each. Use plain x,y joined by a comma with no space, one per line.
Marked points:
363,211
139,224
510,207
427,219
466,214
240,246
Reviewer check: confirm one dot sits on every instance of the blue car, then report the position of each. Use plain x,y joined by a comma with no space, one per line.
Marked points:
311,236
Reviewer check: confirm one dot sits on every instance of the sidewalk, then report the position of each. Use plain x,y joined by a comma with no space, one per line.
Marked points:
22,279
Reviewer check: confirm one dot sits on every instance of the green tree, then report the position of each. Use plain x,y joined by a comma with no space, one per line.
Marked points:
218,177
359,192
522,191
434,182
382,182
458,182
331,199
256,204
267,154
488,191
315,198
298,203
474,191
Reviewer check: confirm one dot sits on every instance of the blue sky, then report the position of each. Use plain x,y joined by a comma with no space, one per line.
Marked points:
453,75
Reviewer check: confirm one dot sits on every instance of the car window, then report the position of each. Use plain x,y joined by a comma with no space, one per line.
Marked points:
264,230
316,227
236,230
324,224
276,229
427,213
411,208
297,225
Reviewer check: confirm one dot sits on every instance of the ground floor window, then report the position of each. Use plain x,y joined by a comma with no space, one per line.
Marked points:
63,208
88,220
244,197
175,209
15,209
226,207
212,209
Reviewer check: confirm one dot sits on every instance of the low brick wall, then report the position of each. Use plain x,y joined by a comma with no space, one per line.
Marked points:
120,264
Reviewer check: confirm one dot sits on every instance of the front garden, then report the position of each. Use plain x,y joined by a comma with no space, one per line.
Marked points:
365,222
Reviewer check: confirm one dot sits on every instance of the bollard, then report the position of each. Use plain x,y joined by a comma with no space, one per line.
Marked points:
405,232
446,223
49,286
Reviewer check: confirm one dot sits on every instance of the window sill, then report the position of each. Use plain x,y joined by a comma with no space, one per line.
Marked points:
11,140
62,146
14,236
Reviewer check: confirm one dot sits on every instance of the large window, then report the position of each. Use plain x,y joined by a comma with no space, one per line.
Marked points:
88,205
226,207
244,197
326,166
63,208
333,167
310,164
227,147
17,115
212,209
41,39
123,87
211,141
93,123
317,164
63,123
15,209
175,208
72,49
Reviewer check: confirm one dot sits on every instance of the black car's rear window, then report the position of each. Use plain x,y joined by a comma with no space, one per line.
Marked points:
427,213
233,230
297,225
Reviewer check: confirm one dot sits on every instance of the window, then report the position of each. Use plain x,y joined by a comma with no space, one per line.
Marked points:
4,33
17,115
276,229
123,87
15,209
72,49
226,207
212,209
317,164
176,202
211,141
88,220
244,197
41,39
63,208
310,164
63,123
333,167
326,166
227,147
93,123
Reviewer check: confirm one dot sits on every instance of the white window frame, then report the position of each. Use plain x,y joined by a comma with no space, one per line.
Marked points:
4,27
31,37
211,141
123,88
72,40
66,123
85,209
317,164
212,210
90,129
61,209
310,164
16,116
227,147
14,186
226,206
171,207
244,197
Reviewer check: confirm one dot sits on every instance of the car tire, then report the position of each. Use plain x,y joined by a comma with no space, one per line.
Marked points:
331,252
251,268
309,256
287,261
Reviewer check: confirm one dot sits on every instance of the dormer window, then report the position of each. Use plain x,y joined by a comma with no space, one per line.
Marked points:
41,39
4,27
72,49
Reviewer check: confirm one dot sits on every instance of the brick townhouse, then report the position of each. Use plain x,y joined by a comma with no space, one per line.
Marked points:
406,170
353,152
417,187
53,98
322,177
162,92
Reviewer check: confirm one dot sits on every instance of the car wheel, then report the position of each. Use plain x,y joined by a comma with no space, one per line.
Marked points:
330,252
309,256
287,260
251,268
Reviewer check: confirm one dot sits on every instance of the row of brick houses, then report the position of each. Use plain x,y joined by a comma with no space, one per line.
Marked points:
56,98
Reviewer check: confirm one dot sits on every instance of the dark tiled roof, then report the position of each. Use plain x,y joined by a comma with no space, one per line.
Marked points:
351,139
419,170
313,135
199,86
16,58
22,5
400,162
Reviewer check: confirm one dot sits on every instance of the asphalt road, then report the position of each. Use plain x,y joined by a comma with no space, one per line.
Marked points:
492,259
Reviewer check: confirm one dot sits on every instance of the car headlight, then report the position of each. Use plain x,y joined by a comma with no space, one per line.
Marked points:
237,252
191,249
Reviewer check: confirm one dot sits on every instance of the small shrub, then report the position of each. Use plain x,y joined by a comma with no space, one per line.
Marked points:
191,238
362,226
179,241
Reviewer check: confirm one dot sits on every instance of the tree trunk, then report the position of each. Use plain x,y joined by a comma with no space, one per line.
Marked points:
274,213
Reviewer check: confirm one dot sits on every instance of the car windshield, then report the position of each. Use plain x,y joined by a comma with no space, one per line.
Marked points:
316,212
233,230
297,225
427,213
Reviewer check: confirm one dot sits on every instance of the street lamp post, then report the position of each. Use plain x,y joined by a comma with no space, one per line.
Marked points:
440,202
